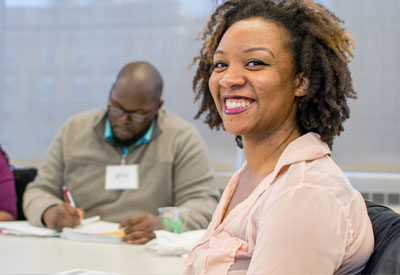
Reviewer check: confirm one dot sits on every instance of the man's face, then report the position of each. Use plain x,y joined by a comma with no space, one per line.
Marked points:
130,110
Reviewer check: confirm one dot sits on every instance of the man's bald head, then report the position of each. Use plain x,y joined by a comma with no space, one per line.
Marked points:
143,76
134,101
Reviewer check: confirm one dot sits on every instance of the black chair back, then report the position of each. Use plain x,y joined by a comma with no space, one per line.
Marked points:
22,177
385,258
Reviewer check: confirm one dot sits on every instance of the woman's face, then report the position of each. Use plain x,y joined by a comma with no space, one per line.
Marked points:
253,83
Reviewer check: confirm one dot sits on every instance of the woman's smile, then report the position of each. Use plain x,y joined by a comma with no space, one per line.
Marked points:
236,104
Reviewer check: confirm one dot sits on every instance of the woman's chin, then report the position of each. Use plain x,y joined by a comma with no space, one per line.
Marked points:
234,130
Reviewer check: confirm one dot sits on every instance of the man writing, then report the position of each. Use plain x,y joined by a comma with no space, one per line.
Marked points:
124,162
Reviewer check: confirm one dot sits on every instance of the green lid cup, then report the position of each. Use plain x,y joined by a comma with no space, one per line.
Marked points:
173,219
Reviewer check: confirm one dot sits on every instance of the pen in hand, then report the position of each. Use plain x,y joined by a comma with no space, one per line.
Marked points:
68,197
64,214
70,201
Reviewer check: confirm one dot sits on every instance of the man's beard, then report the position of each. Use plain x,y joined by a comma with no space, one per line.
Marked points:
124,142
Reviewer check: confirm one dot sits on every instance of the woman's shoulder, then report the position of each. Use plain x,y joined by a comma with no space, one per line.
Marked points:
321,177
326,174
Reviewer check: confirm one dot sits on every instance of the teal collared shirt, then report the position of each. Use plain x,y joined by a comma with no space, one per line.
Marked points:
144,139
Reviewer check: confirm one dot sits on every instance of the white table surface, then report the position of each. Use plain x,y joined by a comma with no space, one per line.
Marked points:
29,255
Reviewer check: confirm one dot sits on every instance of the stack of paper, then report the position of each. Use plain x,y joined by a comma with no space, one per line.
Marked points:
24,228
91,229
98,231
77,271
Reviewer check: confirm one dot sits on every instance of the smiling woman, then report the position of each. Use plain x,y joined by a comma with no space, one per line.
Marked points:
275,75
260,63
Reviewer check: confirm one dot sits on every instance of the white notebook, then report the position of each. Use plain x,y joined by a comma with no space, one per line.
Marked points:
98,231
91,229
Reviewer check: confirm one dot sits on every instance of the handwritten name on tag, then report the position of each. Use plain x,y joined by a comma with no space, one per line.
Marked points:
122,177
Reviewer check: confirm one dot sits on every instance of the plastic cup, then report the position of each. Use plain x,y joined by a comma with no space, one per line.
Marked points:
173,219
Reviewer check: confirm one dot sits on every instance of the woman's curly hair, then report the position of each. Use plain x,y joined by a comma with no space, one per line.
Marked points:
321,50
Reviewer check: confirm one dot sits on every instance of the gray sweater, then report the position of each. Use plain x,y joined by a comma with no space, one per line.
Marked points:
173,171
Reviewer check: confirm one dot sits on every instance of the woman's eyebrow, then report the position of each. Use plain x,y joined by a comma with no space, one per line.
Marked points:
249,50
259,49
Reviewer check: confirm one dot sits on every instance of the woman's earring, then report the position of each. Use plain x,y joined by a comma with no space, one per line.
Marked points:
239,142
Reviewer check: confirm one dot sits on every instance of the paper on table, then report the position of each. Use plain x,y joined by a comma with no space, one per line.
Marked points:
24,228
83,272
99,231
90,220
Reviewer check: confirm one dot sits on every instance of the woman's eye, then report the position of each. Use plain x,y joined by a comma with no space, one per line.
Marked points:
253,63
218,65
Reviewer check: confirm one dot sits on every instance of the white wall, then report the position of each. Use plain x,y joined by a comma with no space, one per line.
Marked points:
60,58
371,137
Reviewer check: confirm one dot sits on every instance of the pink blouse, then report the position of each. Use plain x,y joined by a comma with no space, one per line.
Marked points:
303,218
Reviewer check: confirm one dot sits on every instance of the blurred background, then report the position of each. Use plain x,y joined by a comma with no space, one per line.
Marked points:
60,57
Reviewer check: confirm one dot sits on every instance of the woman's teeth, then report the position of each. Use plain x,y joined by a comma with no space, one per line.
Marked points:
234,104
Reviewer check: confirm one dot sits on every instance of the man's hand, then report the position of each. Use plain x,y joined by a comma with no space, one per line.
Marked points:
140,229
62,215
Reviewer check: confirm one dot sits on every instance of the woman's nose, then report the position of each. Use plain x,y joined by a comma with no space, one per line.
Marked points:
233,76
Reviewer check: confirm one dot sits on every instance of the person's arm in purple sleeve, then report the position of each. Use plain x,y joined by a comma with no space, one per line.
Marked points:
8,198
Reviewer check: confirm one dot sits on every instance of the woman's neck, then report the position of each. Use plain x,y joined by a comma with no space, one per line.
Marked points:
263,154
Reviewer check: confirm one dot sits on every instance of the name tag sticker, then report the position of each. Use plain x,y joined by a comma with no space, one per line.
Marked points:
122,177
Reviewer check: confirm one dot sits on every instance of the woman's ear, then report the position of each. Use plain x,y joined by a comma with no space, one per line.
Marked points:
303,83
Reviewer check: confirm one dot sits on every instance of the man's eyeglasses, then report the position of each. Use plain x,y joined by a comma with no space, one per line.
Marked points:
118,112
